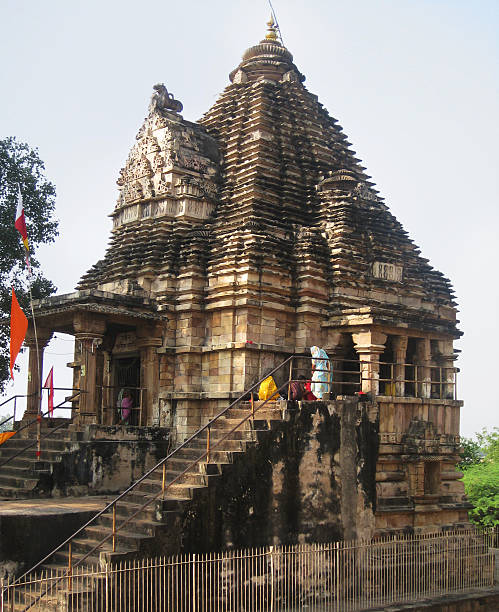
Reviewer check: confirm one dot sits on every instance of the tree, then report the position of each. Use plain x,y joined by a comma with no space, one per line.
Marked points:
20,164
481,478
6,425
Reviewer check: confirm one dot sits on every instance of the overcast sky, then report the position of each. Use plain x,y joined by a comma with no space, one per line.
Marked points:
413,83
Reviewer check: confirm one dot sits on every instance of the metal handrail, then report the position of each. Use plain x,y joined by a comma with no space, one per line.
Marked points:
111,504
14,398
38,420
68,571
10,399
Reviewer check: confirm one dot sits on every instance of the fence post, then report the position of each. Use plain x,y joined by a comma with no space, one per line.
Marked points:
272,595
70,567
446,564
194,608
114,527
163,482
106,583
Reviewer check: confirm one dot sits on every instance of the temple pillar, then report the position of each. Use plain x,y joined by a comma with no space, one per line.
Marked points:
369,346
446,348
399,344
149,339
336,350
35,370
89,336
423,371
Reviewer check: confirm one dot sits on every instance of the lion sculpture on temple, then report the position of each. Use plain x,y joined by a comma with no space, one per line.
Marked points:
161,100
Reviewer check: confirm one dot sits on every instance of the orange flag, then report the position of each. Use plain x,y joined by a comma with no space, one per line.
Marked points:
18,328
5,435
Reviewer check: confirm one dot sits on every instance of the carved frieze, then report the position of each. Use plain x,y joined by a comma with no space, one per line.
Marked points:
170,208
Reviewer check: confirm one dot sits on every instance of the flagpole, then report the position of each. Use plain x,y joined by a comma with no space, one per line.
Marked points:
20,225
39,374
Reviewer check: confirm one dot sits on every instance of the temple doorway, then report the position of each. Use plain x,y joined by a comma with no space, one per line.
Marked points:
126,376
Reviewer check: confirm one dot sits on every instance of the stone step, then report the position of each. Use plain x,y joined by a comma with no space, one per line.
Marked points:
145,525
125,509
191,477
61,559
26,484
127,537
264,413
142,497
30,454
15,492
229,423
15,471
229,446
21,462
216,456
240,434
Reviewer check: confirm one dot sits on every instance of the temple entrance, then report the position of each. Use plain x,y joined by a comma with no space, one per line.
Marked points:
126,376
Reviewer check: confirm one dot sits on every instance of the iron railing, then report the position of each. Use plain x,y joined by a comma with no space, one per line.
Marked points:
116,528
112,538
13,399
335,577
394,379
39,437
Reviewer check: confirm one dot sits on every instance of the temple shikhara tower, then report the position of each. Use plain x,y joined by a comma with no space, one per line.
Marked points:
244,239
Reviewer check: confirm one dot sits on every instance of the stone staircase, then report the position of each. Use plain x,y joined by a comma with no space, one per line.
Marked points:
150,526
149,530
27,475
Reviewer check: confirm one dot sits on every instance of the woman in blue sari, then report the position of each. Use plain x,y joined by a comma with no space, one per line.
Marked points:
321,372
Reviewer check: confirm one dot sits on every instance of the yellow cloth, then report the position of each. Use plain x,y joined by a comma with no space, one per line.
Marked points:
268,389
5,435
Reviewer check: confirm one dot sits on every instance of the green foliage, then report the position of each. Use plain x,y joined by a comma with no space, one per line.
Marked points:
7,426
20,164
471,453
481,479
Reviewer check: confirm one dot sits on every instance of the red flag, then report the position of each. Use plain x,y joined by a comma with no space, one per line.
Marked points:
20,222
49,384
18,328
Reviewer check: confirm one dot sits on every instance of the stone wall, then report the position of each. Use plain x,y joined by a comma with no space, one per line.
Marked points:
105,460
311,478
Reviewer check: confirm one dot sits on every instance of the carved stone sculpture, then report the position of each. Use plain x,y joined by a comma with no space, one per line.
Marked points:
162,101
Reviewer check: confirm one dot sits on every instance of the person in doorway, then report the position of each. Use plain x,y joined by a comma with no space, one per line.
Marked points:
126,407
321,376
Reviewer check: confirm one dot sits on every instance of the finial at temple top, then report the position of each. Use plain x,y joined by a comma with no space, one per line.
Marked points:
271,30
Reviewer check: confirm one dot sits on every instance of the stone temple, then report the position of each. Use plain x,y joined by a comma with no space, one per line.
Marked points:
241,240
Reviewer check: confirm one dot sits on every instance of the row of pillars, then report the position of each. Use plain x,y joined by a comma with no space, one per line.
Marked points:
90,356
370,345
88,344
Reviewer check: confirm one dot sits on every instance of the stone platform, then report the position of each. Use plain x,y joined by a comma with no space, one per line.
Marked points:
30,529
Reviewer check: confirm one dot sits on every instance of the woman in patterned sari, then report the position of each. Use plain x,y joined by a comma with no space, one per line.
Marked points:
321,372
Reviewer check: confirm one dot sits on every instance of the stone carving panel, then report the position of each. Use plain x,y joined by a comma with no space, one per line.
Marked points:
387,271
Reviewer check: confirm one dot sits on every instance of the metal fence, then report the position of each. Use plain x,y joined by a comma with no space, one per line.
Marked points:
337,577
